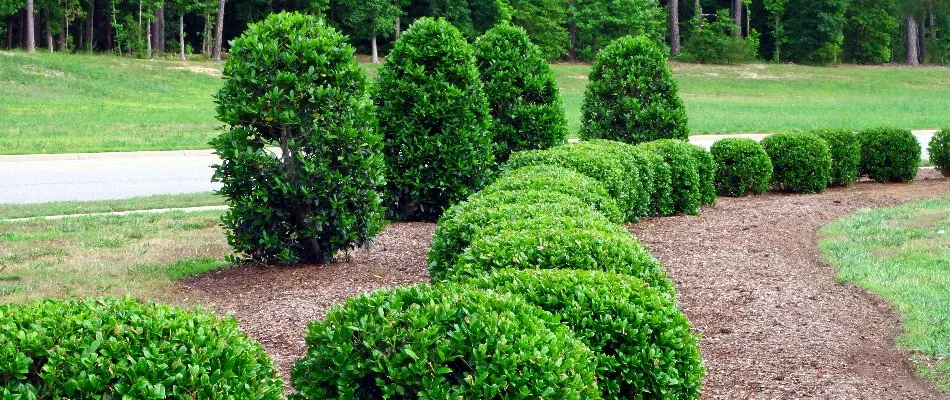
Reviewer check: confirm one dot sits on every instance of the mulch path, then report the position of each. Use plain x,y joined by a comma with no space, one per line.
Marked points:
774,321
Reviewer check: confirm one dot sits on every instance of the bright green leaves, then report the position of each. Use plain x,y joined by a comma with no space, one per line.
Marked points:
742,167
800,162
889,154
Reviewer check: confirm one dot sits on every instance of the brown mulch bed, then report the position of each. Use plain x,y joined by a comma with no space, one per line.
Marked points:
774,321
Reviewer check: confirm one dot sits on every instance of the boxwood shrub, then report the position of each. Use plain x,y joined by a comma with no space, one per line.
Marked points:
631,95
644,344
742,167
939,149
845,155
442,342
800,162
661,202
107,348
889,154
706,170
523,97
633,160
561,180
686,191
434,117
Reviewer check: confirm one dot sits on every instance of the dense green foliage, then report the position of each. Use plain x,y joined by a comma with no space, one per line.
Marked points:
632,161
293,83
716,42
800,162
706,171
544,22
812,30
889,154
643,343
599,22
687,190
742,167
105,348
631,95
661,201
434,117
845,155
870,32
523,98
471,17
442,342
939,149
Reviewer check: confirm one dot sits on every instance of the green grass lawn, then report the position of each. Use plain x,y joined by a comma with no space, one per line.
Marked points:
11,211
55,103
902,253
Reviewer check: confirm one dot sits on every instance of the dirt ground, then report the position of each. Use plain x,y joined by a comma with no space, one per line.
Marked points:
774,321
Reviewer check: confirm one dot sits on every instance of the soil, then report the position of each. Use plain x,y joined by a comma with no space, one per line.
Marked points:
774,321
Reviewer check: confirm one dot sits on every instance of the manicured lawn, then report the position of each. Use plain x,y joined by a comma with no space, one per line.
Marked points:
10,211
902,253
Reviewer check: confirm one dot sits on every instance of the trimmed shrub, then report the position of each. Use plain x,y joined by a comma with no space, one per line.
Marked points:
644,344
684,173
889,154
561,180
434,117
523,97
742,167
800,162
294,83
661,202
939,149
466,220
706,170
632,96
845,155
442,342
633,160
105,348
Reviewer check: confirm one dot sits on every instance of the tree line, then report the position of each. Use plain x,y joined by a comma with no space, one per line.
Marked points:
801,31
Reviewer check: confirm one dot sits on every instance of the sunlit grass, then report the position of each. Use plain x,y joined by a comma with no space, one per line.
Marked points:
11,211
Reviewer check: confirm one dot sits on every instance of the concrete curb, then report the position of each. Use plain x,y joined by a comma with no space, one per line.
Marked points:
151,211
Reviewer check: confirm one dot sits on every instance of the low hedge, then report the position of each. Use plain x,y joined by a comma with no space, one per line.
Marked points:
107,348
889,154
686,191
939,149
845,155
661,202
706,170
800,162
644,344
561,180
742,167
633,160
442,342
465,220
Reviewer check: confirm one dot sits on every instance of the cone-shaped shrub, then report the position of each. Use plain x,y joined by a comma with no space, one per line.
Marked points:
686,191
523,97
800,162
442,342
889,154
644,345
122,349
742,167
631,96
561,180
292,82
939,149
845,155
434,116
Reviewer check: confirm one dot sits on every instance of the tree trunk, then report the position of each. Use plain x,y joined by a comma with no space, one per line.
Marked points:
218,32
398,26
911,44
90,25
181,35
778,40
62,40
205,33
922,42
698,10
674,27
49,34
572,28
9,44
737,16
375,52
30,30
933,26
148,40
160,30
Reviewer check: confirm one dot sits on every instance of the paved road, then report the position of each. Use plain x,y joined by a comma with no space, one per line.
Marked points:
101,176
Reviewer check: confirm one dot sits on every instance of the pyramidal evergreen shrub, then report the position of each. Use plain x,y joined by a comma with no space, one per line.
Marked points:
631,96
434,117
293,82
523,96
889,154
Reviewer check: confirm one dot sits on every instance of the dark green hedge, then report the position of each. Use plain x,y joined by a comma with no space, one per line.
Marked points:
800,162
742,167
845,155
706,171
106,348
631,161
562,180
442,342
686,191
939,149
889,154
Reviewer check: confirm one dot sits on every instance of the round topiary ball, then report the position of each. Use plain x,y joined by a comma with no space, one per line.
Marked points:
845,155
644,344
939,149
686,191
706,170
800,162
889,154
442,342
561,180
742,167
106,348
631,96
434,116
523,96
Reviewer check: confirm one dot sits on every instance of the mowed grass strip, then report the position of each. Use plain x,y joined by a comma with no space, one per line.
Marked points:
141,255
902,253
12,211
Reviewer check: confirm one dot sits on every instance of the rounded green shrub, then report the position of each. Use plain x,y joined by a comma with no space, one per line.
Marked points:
633,160
643,342
466,220
845,155
106,348
686,191
434,117
939,149
889,154
800,162
742,167
561,180
706,170
293,82
442,342
523,96
661,200
631,96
